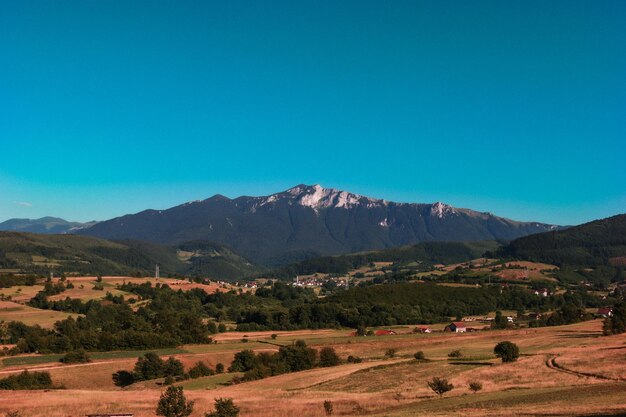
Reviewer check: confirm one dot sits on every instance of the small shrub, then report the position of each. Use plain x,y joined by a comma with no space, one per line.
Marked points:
274,336
123,378
328,357
440,385
390,353
475,386
328,407
219,368
419,355
455,354
224,407
354,359
200,369
75,356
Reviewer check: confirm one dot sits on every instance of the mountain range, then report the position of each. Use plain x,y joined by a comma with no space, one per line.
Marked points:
45,225
308,221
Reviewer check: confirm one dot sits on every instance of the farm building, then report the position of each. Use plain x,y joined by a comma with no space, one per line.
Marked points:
456,327
384,332
422,330
605,312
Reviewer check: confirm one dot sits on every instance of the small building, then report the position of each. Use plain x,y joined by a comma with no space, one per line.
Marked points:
456,327
605,312
422,330
384,332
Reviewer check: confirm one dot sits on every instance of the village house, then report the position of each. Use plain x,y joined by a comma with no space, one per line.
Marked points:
422,330
605,312
456,327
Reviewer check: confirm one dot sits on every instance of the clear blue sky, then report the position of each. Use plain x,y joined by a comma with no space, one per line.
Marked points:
111,107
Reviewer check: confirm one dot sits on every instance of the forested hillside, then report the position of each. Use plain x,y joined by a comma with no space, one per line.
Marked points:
428,253
72,254
601,242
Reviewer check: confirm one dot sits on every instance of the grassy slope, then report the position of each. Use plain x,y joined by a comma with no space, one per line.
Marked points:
34,253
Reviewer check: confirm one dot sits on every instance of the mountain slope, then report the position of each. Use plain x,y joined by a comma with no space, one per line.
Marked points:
46,225
308,221
38,253
596,243
428,253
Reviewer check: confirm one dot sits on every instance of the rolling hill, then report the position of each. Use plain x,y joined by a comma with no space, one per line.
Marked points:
428,253
45,225
601,242
35,253
309,221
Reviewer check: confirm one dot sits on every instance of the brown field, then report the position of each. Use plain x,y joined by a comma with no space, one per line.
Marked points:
172,282
10,311
567,370
21,293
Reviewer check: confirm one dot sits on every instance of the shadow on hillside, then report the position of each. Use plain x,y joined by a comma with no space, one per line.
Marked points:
578,335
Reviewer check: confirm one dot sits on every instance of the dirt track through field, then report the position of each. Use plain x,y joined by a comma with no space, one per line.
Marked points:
552,364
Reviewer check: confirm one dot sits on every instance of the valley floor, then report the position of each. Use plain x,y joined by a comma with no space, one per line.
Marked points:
563,371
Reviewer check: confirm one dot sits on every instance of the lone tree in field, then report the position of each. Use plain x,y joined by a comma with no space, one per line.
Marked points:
475,386
224,407
174,404
507,351
440,385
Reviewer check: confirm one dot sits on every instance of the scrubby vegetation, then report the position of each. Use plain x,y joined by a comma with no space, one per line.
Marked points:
151,366
291,358
76,356
27,381
440,385
616,322
170,319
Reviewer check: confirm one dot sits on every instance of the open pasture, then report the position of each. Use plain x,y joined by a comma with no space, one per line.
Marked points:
11,311
380,385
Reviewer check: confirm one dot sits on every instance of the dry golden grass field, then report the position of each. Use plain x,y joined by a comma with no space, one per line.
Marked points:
10,311
563,371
